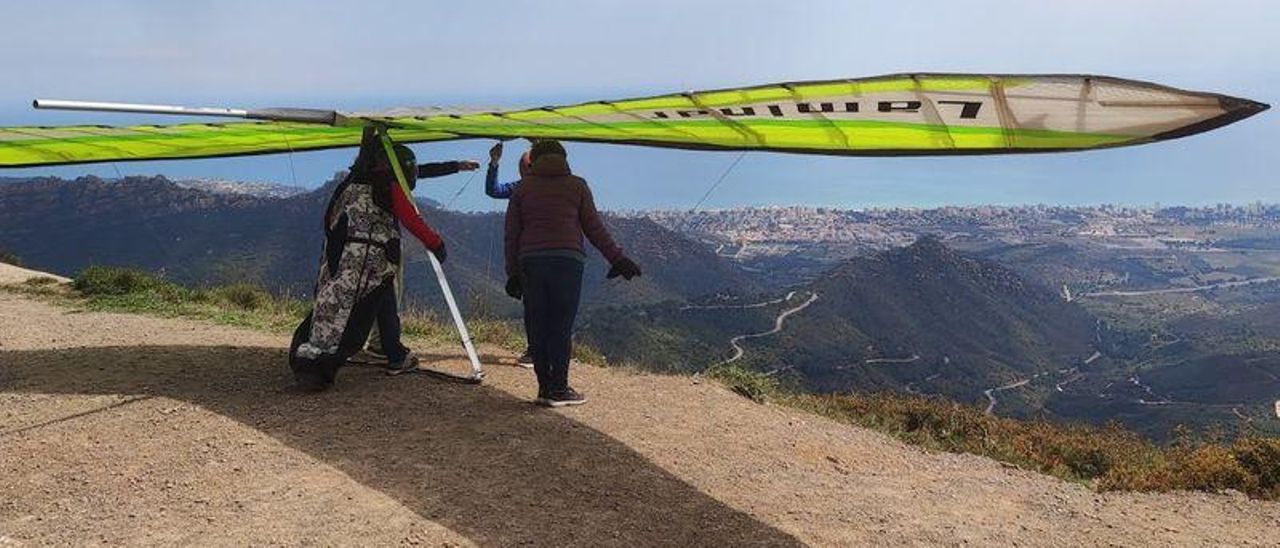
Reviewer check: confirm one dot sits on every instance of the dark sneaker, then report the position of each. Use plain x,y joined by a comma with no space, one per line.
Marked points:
525,360
407,365
365,357
563,398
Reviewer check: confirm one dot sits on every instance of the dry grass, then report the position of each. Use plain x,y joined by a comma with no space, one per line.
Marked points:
1109,458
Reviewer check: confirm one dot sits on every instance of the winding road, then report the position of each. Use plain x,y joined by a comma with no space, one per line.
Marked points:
738,306
909,359
990,393
777,326
1220,285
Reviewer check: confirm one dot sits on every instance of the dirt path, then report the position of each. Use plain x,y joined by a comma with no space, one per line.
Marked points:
118,429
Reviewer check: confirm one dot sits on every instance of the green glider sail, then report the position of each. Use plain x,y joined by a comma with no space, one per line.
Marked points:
894,115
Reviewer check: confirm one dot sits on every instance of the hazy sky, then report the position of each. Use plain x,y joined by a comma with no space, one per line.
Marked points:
366,54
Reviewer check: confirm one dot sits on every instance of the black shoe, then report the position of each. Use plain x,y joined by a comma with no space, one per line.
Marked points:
563,398
525,360
407,365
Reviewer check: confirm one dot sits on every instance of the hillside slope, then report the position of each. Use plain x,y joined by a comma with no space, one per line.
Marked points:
126,429
927,315
919,318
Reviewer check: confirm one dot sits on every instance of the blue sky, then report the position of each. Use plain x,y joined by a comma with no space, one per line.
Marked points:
372,54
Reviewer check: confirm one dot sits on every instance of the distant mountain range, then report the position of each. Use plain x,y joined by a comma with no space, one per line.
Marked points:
194,235
256,189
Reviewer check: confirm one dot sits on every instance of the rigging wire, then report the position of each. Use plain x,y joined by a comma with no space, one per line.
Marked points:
462,189
293,174
713,186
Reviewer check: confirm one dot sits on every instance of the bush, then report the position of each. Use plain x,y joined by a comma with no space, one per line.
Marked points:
1212,468
108,280
243,296
753,385
1261,458
9,258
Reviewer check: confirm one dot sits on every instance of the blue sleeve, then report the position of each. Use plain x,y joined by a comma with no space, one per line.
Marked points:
496,190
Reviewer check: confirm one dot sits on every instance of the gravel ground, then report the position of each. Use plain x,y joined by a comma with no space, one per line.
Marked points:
121,429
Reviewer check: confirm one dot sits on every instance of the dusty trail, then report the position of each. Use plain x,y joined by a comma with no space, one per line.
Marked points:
119,429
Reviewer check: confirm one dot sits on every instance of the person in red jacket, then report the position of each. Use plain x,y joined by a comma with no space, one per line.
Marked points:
356,282
547,215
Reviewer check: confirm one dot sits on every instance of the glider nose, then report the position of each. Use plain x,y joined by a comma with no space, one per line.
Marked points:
1243,108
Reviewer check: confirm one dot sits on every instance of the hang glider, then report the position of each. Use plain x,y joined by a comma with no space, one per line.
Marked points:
894,115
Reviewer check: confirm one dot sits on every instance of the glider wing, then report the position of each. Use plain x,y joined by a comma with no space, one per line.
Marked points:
42,146
912,114
894,115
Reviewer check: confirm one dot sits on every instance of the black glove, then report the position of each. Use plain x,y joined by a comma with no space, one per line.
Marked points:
515,288
440,252
624,267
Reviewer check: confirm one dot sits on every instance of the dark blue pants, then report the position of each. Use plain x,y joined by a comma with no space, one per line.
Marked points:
552,287
389,327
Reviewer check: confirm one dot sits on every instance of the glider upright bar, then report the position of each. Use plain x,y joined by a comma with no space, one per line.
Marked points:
477,372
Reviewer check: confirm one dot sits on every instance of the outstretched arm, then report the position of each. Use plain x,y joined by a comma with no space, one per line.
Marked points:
408,216
440,169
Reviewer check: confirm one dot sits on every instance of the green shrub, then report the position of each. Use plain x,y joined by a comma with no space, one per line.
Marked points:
243,296
753,385
584,353
9,258
109,280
